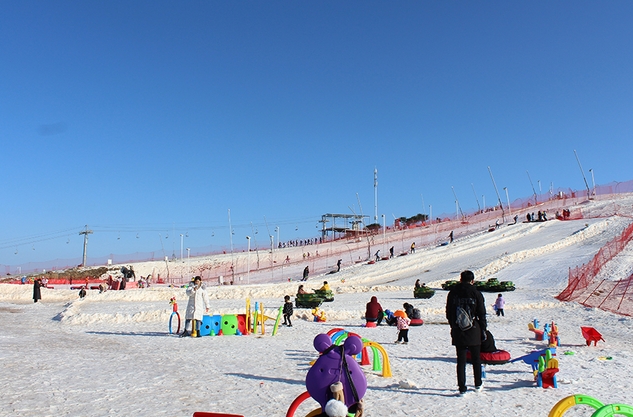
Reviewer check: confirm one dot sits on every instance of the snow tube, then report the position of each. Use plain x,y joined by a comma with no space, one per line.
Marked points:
416,322
498,357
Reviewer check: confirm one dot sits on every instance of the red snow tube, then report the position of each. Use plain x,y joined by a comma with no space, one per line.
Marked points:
416,322
492,358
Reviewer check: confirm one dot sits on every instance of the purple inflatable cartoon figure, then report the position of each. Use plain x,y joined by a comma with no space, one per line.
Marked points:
336,365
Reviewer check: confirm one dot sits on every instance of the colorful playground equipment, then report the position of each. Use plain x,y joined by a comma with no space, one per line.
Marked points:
544,366
591,335
552,334
318,315
539,334
339,336
602,410
549,332
547,370
252,321
174,313
336,380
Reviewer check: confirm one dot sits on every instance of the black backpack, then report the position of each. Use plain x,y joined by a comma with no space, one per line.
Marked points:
463,316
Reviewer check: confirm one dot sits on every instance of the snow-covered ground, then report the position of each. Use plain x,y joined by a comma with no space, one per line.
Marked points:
111,354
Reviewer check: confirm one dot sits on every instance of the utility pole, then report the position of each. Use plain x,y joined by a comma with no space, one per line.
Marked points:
478,206
248,261
86,232
533,190
458,208
593,182
231,241
503,213
583,175
508,198
375,195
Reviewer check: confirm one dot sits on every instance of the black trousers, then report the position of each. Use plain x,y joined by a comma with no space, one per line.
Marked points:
403,335
461,365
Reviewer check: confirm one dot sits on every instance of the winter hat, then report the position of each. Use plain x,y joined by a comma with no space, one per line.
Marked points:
400,313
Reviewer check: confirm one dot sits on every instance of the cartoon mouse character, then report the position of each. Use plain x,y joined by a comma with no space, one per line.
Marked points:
336,366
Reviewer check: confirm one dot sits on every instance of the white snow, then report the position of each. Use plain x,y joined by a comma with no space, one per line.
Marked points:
111,354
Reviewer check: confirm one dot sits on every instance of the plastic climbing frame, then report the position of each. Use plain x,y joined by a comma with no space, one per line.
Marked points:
602,410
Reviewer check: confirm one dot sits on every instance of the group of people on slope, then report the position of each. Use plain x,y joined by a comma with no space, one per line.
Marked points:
466,315
377,256
374,313
419,284
541,216
324,287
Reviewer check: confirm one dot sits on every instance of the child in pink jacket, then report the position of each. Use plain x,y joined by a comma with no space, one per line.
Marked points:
403,329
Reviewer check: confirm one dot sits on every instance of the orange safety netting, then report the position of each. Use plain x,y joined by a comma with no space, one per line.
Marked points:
611,295
322,257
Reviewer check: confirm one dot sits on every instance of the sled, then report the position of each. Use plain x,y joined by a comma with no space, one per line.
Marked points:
423,292
326,295
447,285
308,300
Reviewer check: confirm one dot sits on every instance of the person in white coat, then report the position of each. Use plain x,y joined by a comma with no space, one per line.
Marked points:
198,304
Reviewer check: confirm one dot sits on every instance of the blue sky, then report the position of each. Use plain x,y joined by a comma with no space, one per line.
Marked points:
154,118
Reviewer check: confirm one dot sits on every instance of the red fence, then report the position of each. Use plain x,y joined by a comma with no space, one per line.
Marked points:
607,294
350,250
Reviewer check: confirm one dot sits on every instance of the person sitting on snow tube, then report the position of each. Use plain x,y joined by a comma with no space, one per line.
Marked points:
373,311
488,344
490,355
408,308
412,313
390,319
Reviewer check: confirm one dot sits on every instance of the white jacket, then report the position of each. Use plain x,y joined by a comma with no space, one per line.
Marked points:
198,302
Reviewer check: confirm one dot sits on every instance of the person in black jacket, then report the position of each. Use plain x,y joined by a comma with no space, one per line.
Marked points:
288,311
306,272
472,302
37,293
